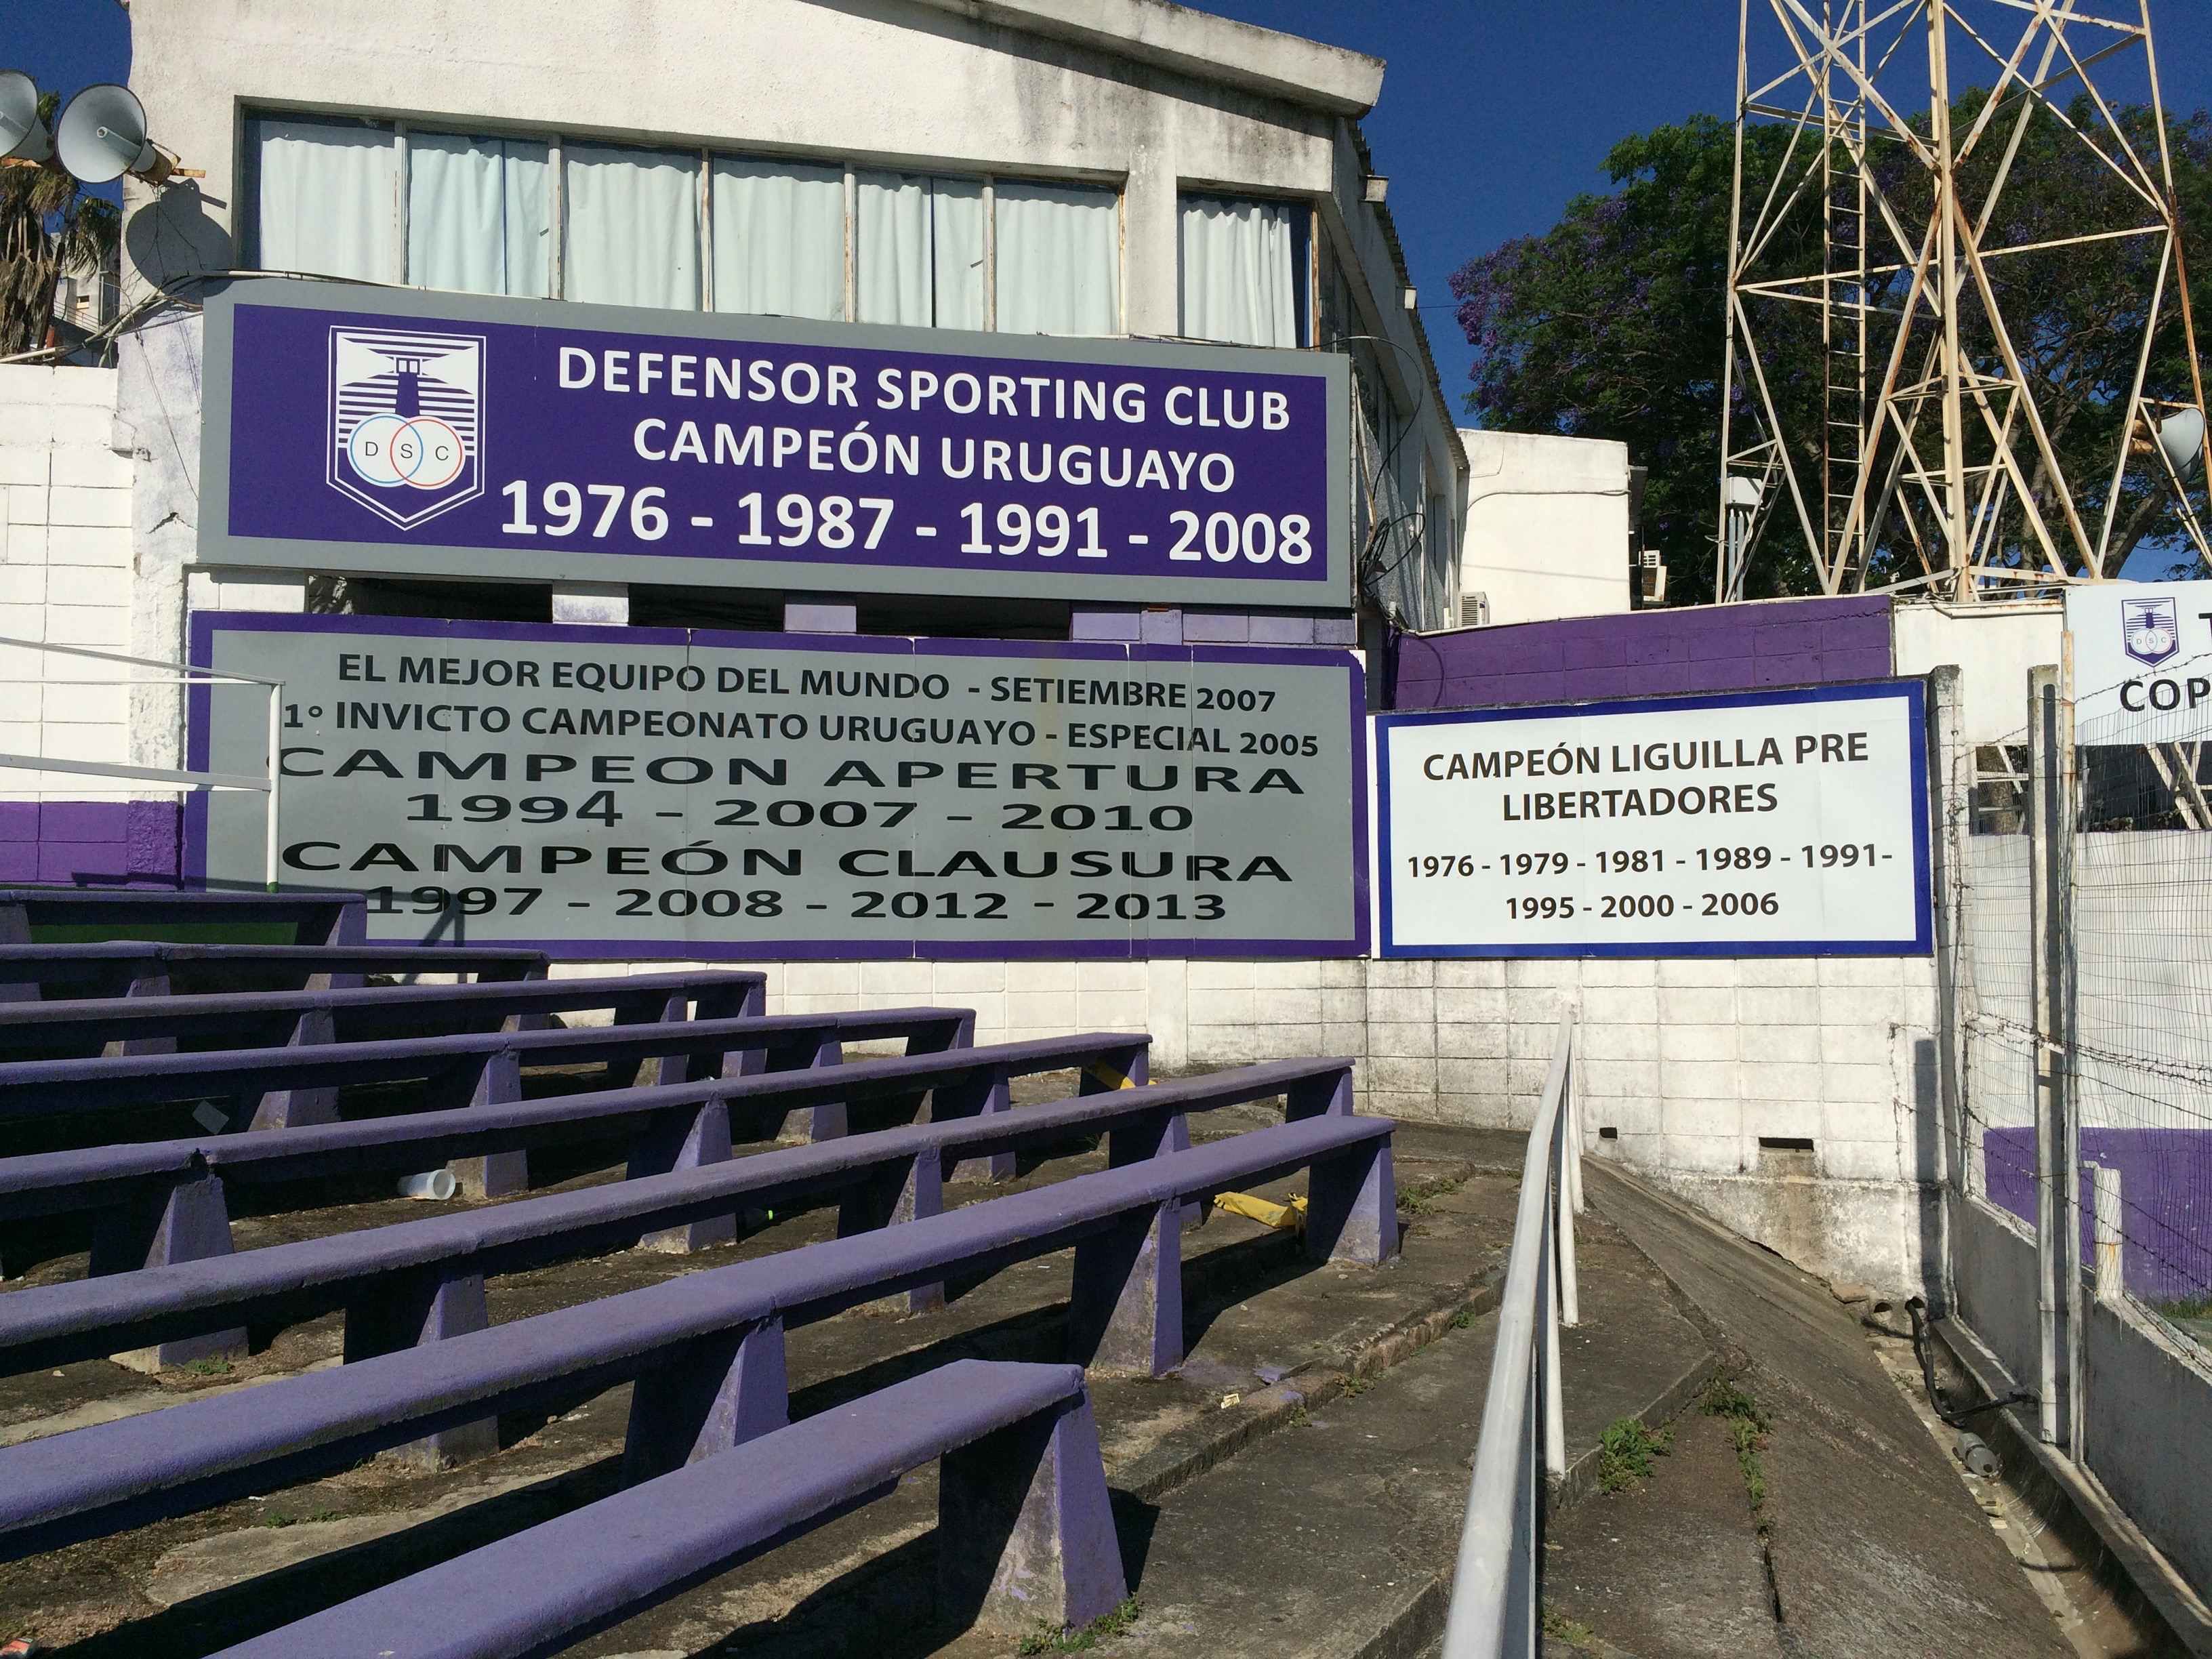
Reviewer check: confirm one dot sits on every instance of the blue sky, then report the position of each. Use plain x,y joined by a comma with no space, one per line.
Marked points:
1494,113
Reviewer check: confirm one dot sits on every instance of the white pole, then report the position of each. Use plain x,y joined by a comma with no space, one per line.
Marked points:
1555,1411
2111,1264
276,771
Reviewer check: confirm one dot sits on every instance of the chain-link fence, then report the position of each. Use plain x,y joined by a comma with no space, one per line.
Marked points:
2130,1027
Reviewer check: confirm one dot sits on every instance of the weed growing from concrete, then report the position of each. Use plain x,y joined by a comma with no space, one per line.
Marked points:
1572,1631
1054,1639
2189,1307
1747,1425
1462,1319
208,1367
1355,1385
301,1520
1421,1197
1625,1452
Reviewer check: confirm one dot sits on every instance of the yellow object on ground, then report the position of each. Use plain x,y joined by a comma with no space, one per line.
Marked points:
1286,1217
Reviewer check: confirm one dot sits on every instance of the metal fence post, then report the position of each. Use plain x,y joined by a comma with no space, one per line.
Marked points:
2050,861
1950,769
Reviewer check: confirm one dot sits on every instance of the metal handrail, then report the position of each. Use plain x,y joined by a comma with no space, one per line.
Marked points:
1497,1593
185,674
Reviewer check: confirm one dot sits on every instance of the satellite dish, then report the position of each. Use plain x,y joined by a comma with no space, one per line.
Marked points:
102,136
21,131
2181,435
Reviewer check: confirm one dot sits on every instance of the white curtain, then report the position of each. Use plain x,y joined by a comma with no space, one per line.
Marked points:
476,215
326,199
632,231
920,250
779,239
1239,272
1058,259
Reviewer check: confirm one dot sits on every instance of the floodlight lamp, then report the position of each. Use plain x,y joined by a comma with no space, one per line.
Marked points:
23,136
102,136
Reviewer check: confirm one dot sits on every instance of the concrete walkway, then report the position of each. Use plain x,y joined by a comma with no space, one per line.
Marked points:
1873,1545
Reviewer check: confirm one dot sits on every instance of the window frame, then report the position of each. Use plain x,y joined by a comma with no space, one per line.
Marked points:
1305,250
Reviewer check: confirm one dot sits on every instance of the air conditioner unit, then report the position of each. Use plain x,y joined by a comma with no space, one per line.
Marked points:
1474,611
1653,586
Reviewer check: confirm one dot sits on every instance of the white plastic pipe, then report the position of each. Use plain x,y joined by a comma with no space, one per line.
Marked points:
437,1184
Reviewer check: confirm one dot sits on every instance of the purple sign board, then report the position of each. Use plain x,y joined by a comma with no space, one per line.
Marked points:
444,434
637,792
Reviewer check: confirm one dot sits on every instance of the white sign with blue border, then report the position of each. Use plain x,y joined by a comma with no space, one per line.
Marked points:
1761,824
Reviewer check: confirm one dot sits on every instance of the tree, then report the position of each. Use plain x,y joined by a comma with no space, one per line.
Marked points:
49,228
1611,325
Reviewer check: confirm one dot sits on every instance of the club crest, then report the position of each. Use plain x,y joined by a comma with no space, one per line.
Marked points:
406,421
2150,629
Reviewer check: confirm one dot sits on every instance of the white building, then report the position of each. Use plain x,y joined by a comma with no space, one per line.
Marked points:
1548,528
1129,168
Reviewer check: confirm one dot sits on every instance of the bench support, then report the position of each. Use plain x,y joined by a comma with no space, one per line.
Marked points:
1125,1308
719,1392
154,985
1329,1096
289,1109
1352,1208
807,1124
189,1222
685,1138
404,1310
896,1197
1026,1531
496,1080
984,1095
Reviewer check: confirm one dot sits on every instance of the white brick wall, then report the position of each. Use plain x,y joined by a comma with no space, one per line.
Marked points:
65,570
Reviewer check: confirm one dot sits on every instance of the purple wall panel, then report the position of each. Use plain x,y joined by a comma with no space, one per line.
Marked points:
2166,1194
91,841
1651,653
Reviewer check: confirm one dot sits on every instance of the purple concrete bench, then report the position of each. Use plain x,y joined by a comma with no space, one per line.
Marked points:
157,1204
277,1019
144,968
281,1088
424,1280
315,918
1024,1531
705,1351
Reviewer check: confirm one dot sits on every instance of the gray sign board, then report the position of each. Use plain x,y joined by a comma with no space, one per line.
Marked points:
642,793
444,434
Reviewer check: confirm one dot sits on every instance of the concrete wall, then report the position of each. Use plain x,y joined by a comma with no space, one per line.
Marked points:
1648,653
65,579
2146,1395
1547,527
1992,645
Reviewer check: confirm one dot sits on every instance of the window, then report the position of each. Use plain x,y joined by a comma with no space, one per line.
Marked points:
1058,259
1243,270
680,229
324,197
479,214
919,248
630,232
779,239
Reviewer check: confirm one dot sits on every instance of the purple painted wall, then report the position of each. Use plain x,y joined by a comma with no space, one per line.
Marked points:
1647,653
101,841
2166,1195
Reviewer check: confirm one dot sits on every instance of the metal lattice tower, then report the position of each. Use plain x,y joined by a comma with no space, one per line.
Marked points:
1877,211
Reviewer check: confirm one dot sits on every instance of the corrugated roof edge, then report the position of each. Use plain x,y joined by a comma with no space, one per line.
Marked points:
1199,44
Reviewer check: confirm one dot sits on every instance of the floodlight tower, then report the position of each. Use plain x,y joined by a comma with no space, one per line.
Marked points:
1868,226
